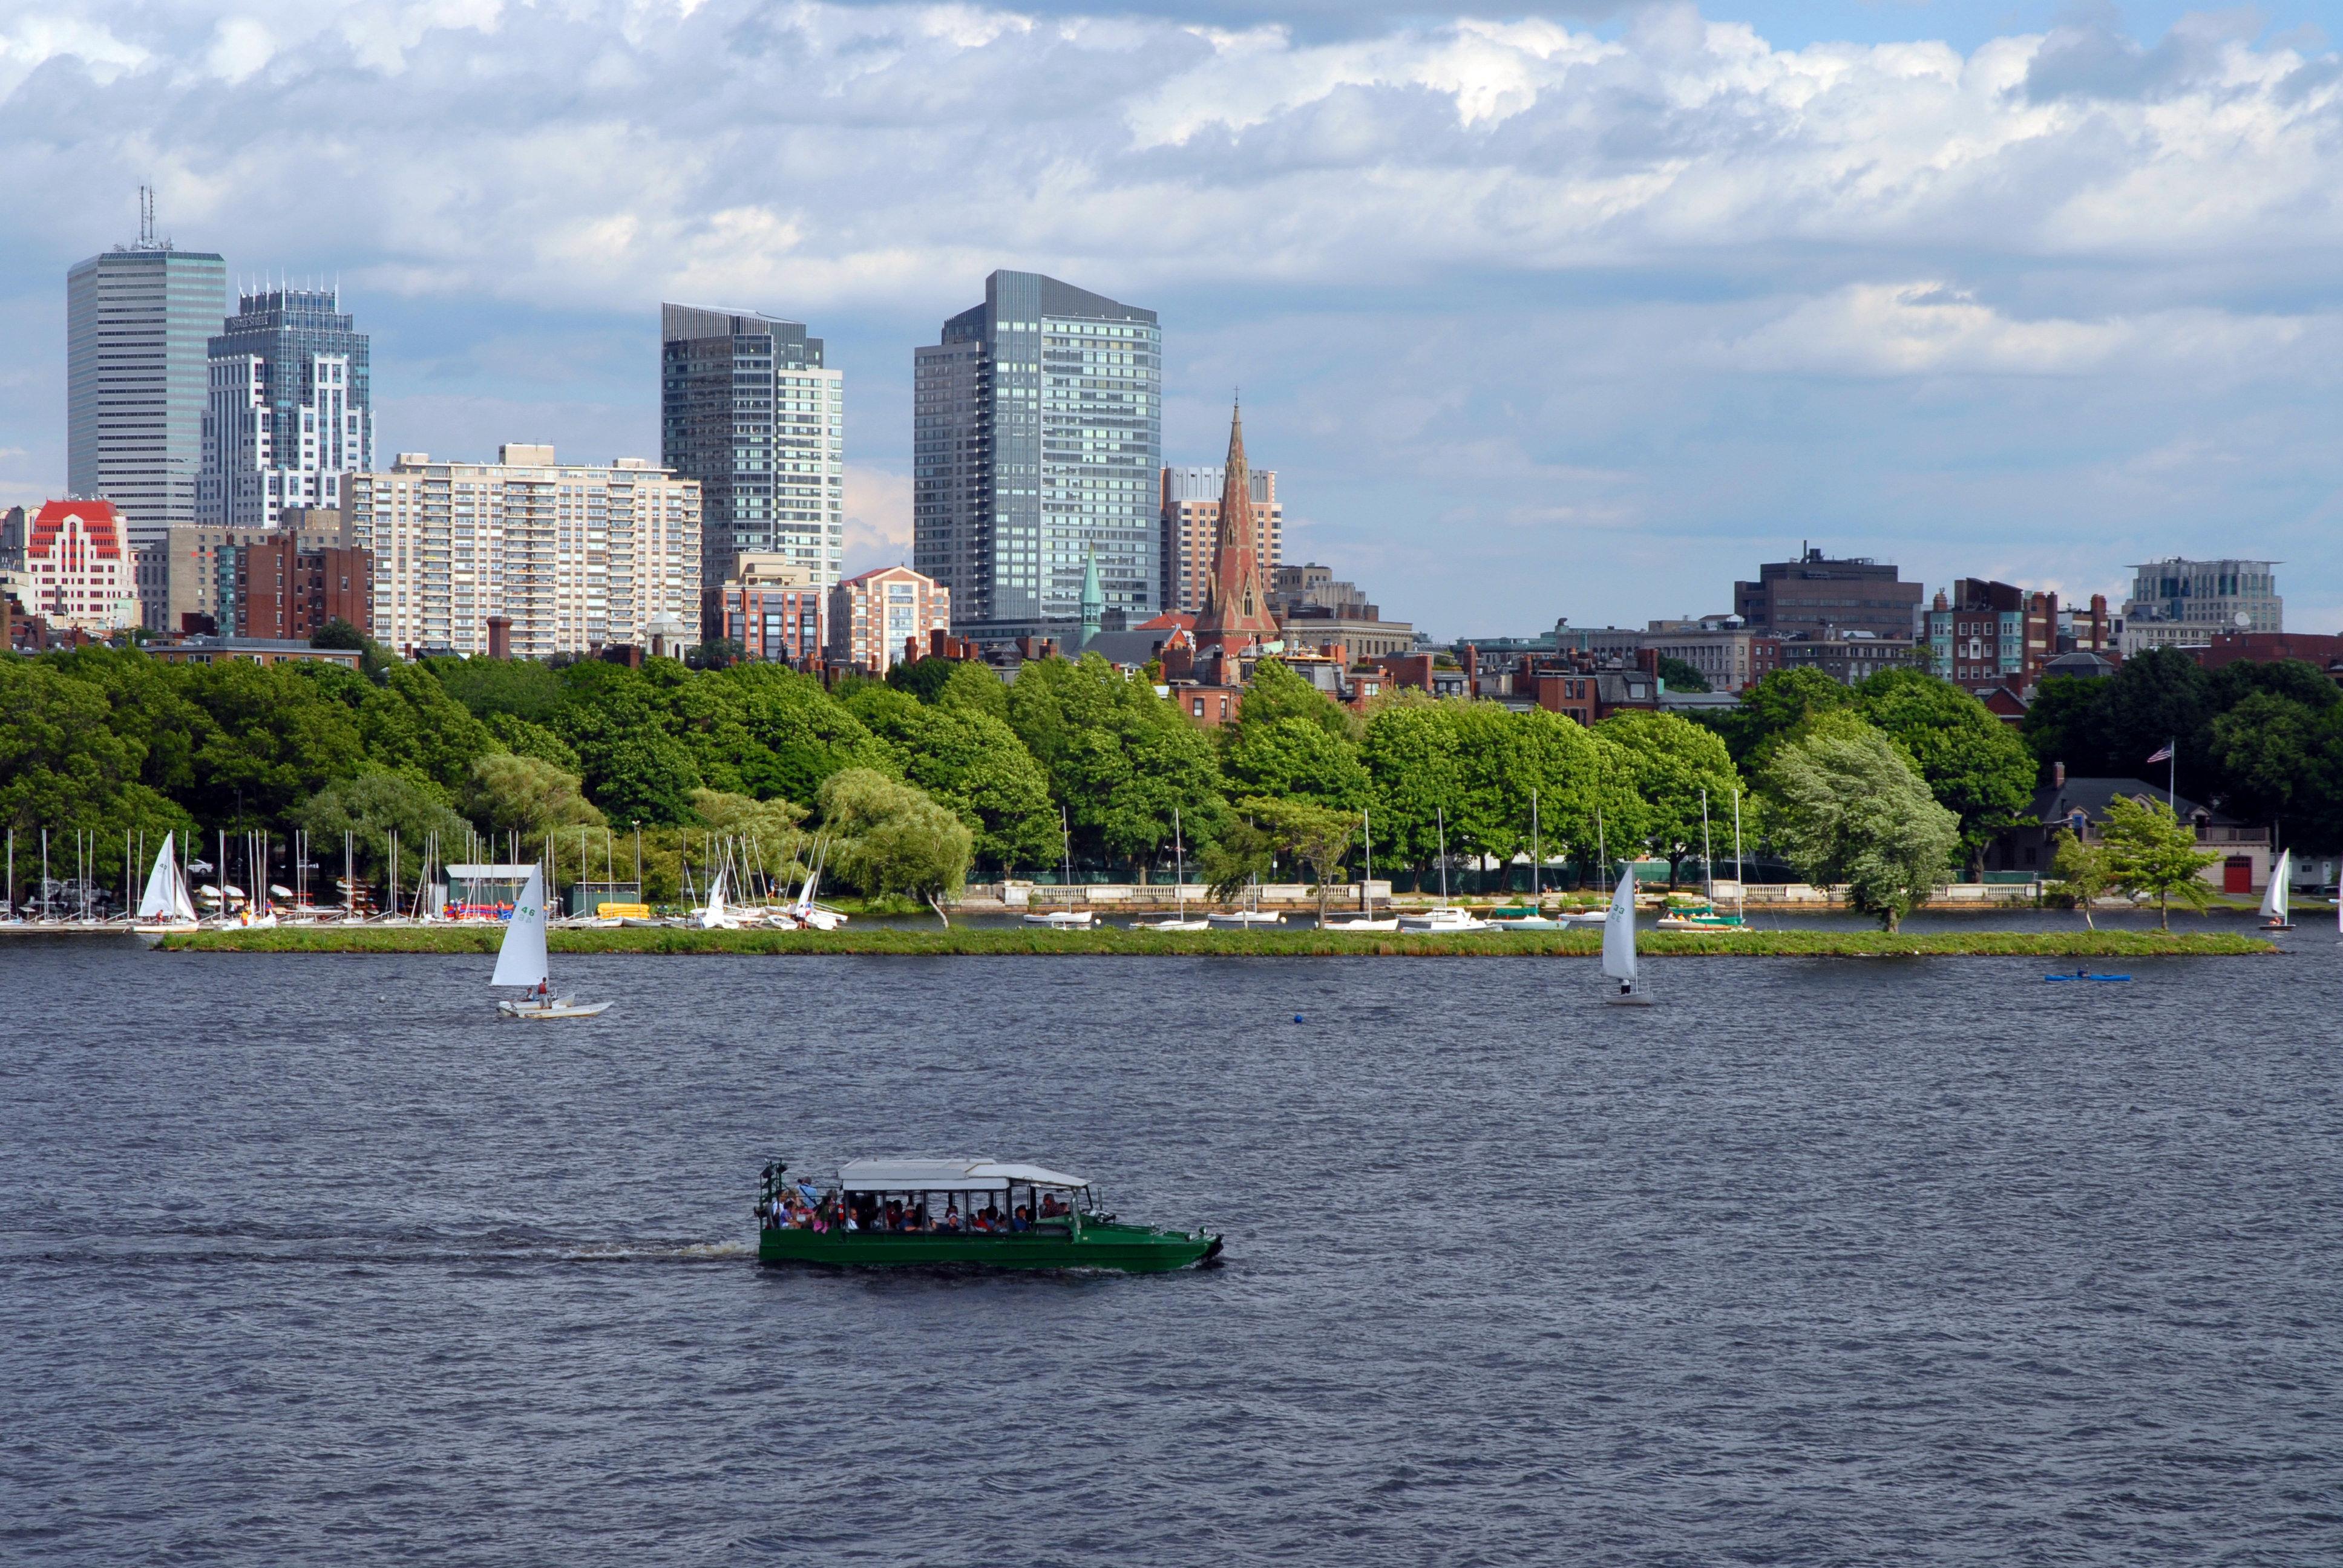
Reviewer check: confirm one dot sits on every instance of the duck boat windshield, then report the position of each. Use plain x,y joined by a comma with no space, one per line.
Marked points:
990,1212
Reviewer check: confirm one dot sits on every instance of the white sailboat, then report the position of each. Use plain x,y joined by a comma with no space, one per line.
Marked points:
713,916
165,906
1619,944
1063,920
521,961
1443,917
809,914
2273,897
1366,919
1179,921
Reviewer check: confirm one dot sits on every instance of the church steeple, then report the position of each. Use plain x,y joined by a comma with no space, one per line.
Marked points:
1094,604
1236,606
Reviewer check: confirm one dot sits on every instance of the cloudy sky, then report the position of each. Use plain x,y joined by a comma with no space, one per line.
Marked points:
1578,310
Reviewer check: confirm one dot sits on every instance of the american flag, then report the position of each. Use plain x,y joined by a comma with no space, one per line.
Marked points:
2164,755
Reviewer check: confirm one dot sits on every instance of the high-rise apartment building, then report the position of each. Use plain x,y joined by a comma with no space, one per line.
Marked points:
576,557
2181,603
748,409
1189,520
1037,444
290,410
138,320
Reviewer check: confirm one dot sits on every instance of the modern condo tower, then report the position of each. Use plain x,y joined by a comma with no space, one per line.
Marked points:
1037,440
137,319
290,412
748,409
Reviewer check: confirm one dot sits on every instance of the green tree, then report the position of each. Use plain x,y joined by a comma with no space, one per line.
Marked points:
2151,850
891,838
270,736
525,737
1672,761
339,633
1239,856
1772,708
973,763
524,688
2271,754
1296,757
2085,871
410,725
1276,692
1317,836
924,679
369,808
1119,758
977,686
65,767
1977,766
526,795
1847,806
1680,676
640,776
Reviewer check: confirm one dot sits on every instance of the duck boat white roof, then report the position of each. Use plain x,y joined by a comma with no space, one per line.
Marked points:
948,1176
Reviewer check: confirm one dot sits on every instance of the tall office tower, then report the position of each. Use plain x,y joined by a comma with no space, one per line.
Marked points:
1037,438
747,408
290,413
567,557
1190,525
137,318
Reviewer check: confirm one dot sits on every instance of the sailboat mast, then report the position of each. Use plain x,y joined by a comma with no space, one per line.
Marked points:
1179,869
1367,886
1535,895
1707,861
1440,815
1740,871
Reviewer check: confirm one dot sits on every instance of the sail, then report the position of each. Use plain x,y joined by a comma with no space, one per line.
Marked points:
2274,896
1619,930
521,959
159,902
713,915
183,904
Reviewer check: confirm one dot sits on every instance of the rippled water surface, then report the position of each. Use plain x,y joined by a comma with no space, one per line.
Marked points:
306,1259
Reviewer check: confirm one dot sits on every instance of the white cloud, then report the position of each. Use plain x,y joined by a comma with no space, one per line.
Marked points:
878,517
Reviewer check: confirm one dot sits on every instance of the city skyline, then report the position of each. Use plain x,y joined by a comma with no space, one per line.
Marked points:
2001,306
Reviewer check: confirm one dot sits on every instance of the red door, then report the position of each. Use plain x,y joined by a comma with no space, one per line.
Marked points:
2237,874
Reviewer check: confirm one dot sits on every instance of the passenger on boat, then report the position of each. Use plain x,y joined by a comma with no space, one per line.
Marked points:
920,1219
1020,1219
894,1215
951,1216
1052,1209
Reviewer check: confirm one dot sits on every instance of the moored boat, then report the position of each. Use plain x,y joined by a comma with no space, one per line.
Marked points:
890,1213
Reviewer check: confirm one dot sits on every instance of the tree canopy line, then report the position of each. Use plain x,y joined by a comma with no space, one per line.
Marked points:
942,771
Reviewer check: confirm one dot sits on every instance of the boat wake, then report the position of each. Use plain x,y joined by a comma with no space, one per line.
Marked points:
243,1246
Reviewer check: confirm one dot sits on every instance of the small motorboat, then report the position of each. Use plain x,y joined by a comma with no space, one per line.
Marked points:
1360,923
1061,919
1442,920
1240,917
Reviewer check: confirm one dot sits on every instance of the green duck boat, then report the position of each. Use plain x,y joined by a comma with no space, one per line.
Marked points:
883,1213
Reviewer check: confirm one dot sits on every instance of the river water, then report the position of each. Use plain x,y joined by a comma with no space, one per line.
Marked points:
306,1259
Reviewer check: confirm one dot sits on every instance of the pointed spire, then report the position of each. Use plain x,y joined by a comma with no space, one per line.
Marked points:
1236,609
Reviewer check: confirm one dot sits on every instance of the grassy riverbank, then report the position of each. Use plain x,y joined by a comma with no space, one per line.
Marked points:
1264,943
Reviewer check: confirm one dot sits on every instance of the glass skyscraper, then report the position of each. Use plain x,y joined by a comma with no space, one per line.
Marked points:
137,320
748,409
290,412
1038,439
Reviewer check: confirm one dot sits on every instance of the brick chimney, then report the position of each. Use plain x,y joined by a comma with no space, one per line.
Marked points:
2057,775
499,636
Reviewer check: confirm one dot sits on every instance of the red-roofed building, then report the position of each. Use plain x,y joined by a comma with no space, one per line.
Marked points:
77,571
